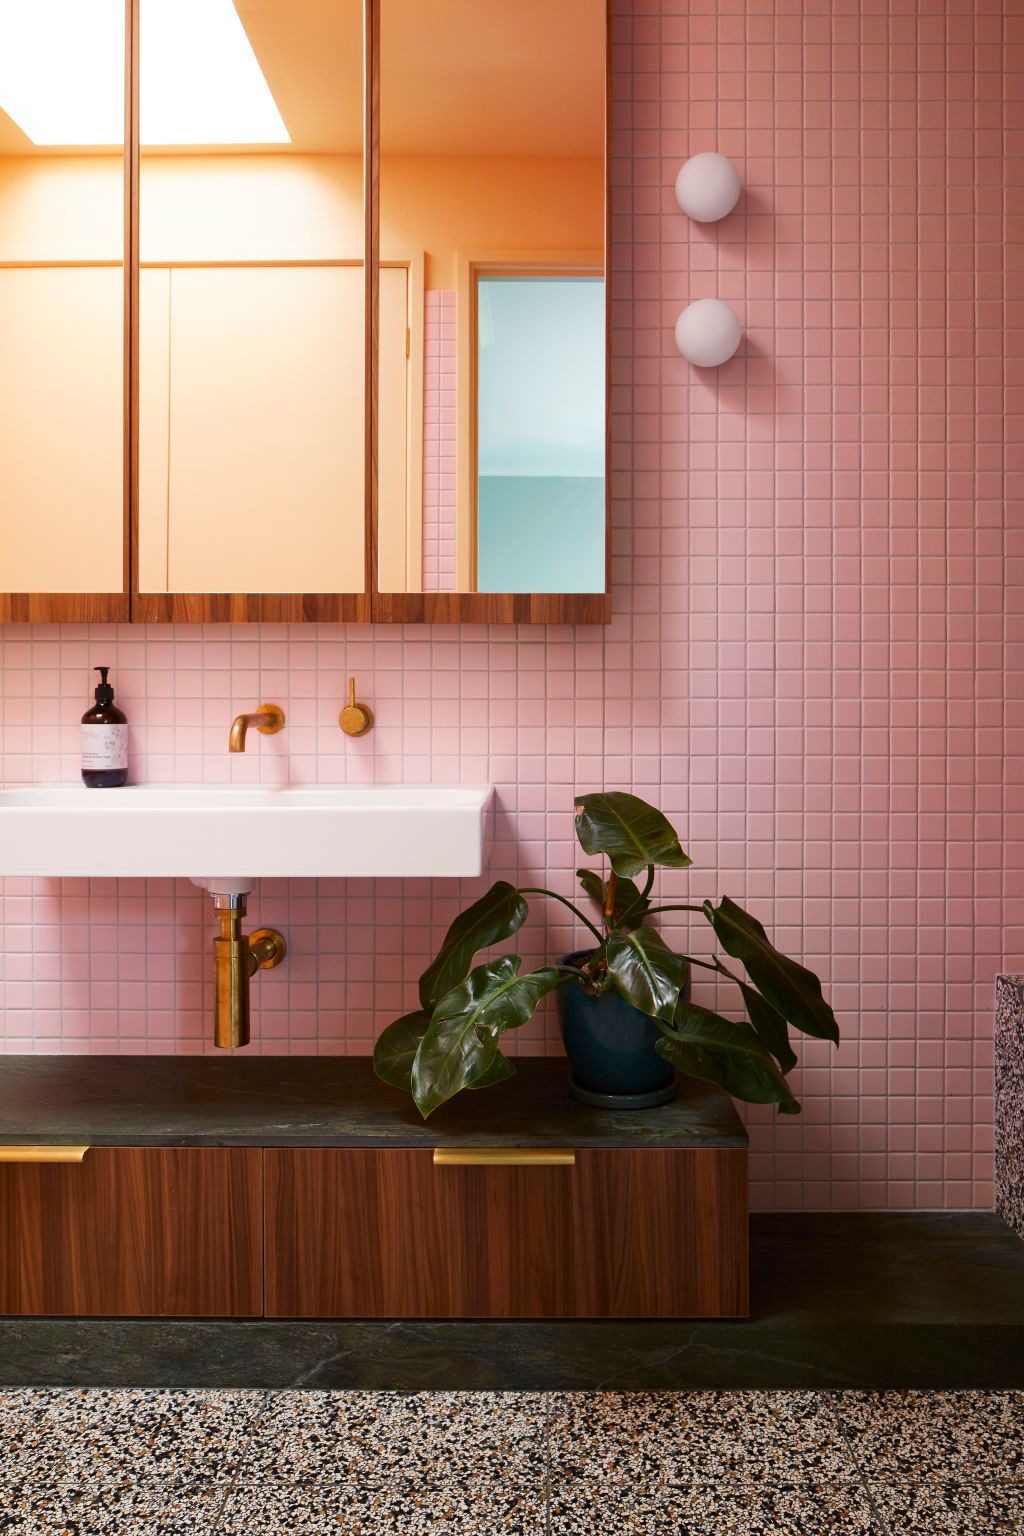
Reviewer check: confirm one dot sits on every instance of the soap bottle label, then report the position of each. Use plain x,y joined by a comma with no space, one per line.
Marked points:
104,746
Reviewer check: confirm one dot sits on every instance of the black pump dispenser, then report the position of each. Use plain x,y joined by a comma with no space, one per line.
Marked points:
104,740
104,692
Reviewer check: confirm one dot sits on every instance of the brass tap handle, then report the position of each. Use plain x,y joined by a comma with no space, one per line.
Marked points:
355,719
269,719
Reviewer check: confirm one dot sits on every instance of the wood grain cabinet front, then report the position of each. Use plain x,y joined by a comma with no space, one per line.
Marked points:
603,1233
132,1232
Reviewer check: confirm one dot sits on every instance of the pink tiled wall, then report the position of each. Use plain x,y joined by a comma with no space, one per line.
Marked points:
439,441
816,661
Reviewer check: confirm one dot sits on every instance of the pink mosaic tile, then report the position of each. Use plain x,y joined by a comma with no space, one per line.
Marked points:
816,664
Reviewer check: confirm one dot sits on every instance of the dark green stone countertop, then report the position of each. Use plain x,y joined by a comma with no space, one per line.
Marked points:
325,1101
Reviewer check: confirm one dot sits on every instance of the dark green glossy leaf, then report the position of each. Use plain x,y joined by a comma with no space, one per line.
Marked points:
632,833
499,1069
723,1051
645,971
770,1027
396,1048
494,917
628,901
461,1044
592,883
792,990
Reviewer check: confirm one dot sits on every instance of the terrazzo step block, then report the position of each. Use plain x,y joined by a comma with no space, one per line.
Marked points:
1009,1111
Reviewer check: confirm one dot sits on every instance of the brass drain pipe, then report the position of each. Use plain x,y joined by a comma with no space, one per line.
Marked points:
236,958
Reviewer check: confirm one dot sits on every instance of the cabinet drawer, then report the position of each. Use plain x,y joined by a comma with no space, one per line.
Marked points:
645,1233
133,1231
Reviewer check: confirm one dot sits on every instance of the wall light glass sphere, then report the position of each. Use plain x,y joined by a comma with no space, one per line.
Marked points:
708,332
708,187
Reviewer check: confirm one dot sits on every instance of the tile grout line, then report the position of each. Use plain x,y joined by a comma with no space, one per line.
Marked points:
548,1423
254,1430
878,1518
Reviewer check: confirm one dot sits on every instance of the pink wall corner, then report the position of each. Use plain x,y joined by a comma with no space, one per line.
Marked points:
814,666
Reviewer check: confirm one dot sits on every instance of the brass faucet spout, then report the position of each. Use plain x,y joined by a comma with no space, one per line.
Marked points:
268,720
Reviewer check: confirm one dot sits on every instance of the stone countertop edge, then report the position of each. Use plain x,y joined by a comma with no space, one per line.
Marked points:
327,1102
1013,981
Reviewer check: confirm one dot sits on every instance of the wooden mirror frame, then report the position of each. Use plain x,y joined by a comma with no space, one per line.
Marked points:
370,605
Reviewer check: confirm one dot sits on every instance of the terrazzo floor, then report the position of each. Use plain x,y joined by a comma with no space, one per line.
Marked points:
88,1462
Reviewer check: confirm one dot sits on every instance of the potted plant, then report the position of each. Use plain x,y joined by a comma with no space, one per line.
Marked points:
452,1041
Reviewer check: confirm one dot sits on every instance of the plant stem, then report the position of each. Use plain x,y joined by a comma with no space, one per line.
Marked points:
712,965
608,910
538,890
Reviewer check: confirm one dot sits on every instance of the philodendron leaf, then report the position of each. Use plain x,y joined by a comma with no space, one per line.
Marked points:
645,971
770,1027
592,883
629,903
499,1069
792,989
461,1045
494,917
722,1051
396,1048
632,833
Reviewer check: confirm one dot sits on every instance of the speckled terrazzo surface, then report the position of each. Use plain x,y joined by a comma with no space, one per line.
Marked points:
78,1462
1009,1105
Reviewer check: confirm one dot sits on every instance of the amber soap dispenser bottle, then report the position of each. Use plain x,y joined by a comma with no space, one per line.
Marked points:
104,740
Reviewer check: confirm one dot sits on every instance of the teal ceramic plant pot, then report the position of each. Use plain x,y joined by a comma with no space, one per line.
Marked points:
610,1045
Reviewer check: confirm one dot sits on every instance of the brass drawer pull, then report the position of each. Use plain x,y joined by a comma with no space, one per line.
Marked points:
42,1154
503,1157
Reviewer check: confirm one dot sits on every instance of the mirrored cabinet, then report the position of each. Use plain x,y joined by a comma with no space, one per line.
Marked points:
63,312
251,438
303,310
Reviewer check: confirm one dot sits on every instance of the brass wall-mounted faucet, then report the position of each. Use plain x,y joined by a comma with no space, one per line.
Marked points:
355,719
236,958
268,720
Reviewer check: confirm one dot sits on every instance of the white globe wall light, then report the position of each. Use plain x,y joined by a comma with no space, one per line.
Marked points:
708,187
708,333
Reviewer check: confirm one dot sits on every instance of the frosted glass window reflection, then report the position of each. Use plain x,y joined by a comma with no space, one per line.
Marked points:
540,434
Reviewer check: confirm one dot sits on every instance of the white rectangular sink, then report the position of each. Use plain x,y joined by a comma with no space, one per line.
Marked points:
208,832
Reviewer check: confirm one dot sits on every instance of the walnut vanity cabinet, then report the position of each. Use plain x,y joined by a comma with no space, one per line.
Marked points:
132,1232
592,1233
304,1187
